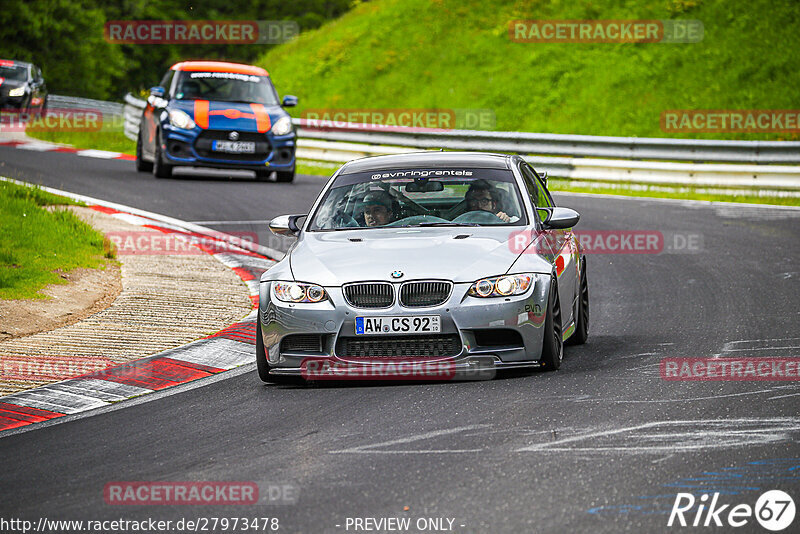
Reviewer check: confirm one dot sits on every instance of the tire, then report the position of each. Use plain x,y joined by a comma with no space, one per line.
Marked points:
552,345
262,175
285,177
141,164
581,333
160,169
263,366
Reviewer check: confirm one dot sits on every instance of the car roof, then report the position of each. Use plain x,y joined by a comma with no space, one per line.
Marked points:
219,66
429,160
10,62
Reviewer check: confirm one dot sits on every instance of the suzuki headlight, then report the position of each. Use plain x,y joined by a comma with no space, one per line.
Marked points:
501,286
298,292
282,126
19,91
180,119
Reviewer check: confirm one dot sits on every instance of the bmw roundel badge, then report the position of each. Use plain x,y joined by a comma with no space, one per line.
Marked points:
397,274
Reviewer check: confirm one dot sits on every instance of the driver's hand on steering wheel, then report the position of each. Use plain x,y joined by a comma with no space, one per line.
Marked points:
503,216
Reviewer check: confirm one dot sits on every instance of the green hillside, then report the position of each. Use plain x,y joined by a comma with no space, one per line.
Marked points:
458,54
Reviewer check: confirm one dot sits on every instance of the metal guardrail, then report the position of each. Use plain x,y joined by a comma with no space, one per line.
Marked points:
133,114
71,102
702,150
724,163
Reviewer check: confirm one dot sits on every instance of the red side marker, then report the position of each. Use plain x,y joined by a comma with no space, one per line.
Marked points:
103,209
158,373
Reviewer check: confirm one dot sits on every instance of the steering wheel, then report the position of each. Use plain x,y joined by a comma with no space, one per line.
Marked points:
480,217
341,219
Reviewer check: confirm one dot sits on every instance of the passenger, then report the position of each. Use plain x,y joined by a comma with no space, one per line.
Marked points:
378,208
483,196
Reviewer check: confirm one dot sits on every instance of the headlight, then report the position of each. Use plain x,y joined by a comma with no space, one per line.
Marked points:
19,91
180,119
501,286
282,126
299,292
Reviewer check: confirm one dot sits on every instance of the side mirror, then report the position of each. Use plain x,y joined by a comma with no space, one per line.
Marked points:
156,98
285,224
289,101
561,218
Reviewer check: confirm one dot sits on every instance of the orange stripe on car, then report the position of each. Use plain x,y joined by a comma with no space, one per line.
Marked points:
201,113
262,117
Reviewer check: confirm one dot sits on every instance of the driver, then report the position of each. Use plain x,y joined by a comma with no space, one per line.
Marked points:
378,208
483,196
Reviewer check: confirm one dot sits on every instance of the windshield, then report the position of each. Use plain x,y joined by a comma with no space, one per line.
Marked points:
225,87
14,72
419,197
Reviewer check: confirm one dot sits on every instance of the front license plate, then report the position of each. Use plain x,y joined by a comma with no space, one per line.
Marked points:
408,324
234,147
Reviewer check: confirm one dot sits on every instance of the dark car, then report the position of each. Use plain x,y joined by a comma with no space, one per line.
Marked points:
217,115
22,87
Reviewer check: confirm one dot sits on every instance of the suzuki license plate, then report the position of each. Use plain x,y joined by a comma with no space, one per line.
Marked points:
234,147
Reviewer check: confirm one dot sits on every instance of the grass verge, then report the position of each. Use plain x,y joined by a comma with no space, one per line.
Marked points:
113,141
37,243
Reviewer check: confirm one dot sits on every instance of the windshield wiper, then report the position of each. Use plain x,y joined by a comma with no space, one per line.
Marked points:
243,102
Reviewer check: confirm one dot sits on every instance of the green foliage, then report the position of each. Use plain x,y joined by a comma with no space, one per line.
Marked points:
457,54
66,39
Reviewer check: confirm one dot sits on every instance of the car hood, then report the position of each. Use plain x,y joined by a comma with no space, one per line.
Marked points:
208,114
462,254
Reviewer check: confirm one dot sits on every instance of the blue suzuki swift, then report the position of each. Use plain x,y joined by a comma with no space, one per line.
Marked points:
217,115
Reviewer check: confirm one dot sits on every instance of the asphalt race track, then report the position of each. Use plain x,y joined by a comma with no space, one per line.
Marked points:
602,445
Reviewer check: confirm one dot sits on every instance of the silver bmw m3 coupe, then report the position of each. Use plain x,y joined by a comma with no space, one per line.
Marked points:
424,266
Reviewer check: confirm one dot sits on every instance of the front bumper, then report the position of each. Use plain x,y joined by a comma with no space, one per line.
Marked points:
182,150
518,319
8,103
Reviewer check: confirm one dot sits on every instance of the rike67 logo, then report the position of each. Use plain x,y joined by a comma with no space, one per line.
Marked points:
774,510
